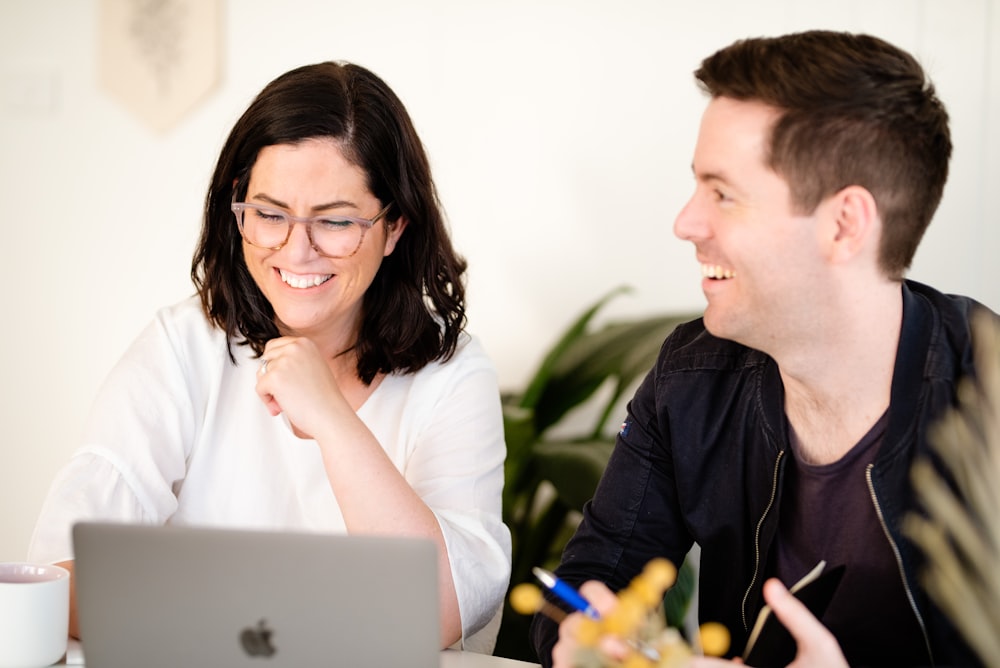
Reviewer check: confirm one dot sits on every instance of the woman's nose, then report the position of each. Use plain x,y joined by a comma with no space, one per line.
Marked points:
299,244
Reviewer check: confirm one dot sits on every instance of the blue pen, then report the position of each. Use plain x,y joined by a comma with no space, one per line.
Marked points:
573,598
565,592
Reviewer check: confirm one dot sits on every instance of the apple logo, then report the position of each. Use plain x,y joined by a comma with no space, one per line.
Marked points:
257,641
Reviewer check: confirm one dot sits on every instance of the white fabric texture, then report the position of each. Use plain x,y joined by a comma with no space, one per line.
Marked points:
178,435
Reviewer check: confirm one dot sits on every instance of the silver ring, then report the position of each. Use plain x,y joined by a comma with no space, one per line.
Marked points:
263,367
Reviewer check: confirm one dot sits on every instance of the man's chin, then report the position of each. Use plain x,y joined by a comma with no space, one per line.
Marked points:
719,326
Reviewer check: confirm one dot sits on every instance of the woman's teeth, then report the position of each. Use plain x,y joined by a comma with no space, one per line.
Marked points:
303,280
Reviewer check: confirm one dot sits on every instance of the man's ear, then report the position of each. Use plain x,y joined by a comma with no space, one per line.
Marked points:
856,224
393,232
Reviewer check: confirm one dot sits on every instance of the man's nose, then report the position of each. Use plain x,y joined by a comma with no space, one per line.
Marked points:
689,225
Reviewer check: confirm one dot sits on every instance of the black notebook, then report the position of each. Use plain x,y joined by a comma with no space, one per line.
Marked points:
770,643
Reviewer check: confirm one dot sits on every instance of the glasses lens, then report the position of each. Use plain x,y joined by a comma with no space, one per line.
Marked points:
336,237
263,227
268,228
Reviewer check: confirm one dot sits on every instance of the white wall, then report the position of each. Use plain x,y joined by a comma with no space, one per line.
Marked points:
560,131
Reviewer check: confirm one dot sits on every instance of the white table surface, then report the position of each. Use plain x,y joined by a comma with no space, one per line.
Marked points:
453,659
449,659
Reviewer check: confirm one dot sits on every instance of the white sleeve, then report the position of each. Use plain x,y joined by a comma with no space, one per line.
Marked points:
458,471
133,448
89,487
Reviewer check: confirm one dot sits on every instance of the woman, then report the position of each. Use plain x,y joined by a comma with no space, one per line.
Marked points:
321,379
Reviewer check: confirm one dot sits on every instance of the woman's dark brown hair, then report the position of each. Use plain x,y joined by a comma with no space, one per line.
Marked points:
414,311
856,110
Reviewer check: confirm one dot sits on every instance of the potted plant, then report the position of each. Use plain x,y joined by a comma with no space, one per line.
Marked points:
549,475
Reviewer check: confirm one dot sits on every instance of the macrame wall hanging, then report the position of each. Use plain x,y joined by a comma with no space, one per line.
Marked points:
159,58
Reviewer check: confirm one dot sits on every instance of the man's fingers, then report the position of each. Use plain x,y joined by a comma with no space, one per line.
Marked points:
790,610
809,633
565,647
599,596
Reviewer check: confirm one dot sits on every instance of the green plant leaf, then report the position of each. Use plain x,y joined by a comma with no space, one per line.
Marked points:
573,468
520,435
541,377
541,517
620,350
534,544
677,600
637,362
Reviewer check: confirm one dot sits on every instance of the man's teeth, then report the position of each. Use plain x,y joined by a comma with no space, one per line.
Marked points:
304,280
716,271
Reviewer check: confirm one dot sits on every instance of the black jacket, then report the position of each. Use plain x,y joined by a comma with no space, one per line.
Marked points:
702,453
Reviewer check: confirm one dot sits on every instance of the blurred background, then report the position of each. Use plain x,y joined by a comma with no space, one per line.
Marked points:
560,133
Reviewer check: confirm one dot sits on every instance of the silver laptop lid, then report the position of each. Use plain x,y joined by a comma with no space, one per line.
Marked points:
172,596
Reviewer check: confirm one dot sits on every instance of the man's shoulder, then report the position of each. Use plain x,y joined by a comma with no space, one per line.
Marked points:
948,306
692,347
945,318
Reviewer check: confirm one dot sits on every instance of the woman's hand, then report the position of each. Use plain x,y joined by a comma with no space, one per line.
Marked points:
373,496
294,379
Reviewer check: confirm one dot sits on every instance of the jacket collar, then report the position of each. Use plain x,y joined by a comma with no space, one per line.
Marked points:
908,373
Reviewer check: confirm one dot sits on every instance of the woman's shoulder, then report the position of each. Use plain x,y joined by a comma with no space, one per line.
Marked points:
466,381
470,353
184,314
183,328
469,358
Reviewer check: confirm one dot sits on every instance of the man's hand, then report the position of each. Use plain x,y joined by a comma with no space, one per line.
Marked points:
604,601
817,648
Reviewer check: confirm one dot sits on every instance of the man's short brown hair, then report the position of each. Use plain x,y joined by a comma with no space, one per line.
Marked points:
856,110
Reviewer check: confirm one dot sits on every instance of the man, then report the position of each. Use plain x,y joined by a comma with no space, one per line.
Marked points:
779,429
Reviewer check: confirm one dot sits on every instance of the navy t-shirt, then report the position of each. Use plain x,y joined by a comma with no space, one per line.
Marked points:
828,513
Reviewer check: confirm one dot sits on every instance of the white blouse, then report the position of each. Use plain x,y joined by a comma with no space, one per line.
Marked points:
178,435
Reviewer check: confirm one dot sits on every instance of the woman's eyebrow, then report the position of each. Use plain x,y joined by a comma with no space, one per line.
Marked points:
336,204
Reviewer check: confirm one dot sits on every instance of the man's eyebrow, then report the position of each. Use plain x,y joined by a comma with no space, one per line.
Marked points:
709,176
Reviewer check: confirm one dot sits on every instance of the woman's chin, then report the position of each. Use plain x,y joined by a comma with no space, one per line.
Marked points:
295,324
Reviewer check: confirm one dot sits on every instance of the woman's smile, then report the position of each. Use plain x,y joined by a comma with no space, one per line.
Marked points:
303,281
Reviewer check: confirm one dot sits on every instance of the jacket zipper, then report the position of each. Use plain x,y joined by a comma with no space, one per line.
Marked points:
756,540
899,561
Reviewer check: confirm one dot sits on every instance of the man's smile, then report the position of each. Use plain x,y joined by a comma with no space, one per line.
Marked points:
716,271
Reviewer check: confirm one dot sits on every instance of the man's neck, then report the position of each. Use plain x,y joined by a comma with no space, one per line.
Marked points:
838,387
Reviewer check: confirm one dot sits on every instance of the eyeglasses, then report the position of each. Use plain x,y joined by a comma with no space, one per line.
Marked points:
331,236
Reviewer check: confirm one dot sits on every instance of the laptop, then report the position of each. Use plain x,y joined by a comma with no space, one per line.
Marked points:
174,596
